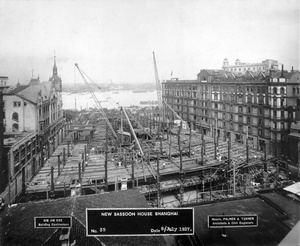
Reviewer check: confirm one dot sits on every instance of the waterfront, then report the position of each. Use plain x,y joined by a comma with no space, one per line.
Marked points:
108,99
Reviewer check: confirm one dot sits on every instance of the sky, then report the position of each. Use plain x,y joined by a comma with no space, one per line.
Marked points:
114,40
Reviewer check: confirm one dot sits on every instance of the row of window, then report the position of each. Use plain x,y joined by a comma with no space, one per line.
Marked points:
215,89
18,104
245,69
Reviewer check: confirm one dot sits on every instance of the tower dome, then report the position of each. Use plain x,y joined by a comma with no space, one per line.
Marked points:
225,62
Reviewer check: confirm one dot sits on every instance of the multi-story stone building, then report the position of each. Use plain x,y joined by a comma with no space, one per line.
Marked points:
260,106
242,68
33,125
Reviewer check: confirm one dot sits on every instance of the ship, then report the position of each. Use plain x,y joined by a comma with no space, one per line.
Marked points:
148,102
140,91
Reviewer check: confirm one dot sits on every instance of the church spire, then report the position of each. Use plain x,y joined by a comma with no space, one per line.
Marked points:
54,67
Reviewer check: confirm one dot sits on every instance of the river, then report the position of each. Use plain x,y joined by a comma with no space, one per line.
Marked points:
108,99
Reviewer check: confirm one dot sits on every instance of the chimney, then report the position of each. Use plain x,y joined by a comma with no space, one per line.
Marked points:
281,71
292,69
271,72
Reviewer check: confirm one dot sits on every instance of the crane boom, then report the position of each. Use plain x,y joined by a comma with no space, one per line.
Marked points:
184,124
158,84
139,124
98,103
132,131
161,102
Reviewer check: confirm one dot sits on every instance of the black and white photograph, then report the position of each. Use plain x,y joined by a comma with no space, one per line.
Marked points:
149,122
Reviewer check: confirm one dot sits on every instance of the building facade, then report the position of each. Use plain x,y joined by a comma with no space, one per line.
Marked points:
258,106
33,126
242,68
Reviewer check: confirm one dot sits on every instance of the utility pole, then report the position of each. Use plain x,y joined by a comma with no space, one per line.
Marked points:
105,162
202,152
170,146
247,155
210,186
79,176
265,157
158,182
190,139
215,140
132,169
233,178
229,146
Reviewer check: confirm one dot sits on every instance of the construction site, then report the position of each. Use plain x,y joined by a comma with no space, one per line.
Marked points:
153,150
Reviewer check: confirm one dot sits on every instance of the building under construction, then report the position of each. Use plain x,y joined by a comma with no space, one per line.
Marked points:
153,150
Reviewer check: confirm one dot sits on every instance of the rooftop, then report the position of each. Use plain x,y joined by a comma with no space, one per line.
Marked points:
277,215
18,225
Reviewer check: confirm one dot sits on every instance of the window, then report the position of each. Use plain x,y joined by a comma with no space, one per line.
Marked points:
249,110
232,98
282,91
216,105
15,117
249,98
298,91
15,127
294,91
240,98
258,89
17,104
260,99
240,109
248,120
274,90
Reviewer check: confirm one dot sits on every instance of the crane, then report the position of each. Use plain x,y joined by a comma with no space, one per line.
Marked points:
158,84
98,103
161,102
105,116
